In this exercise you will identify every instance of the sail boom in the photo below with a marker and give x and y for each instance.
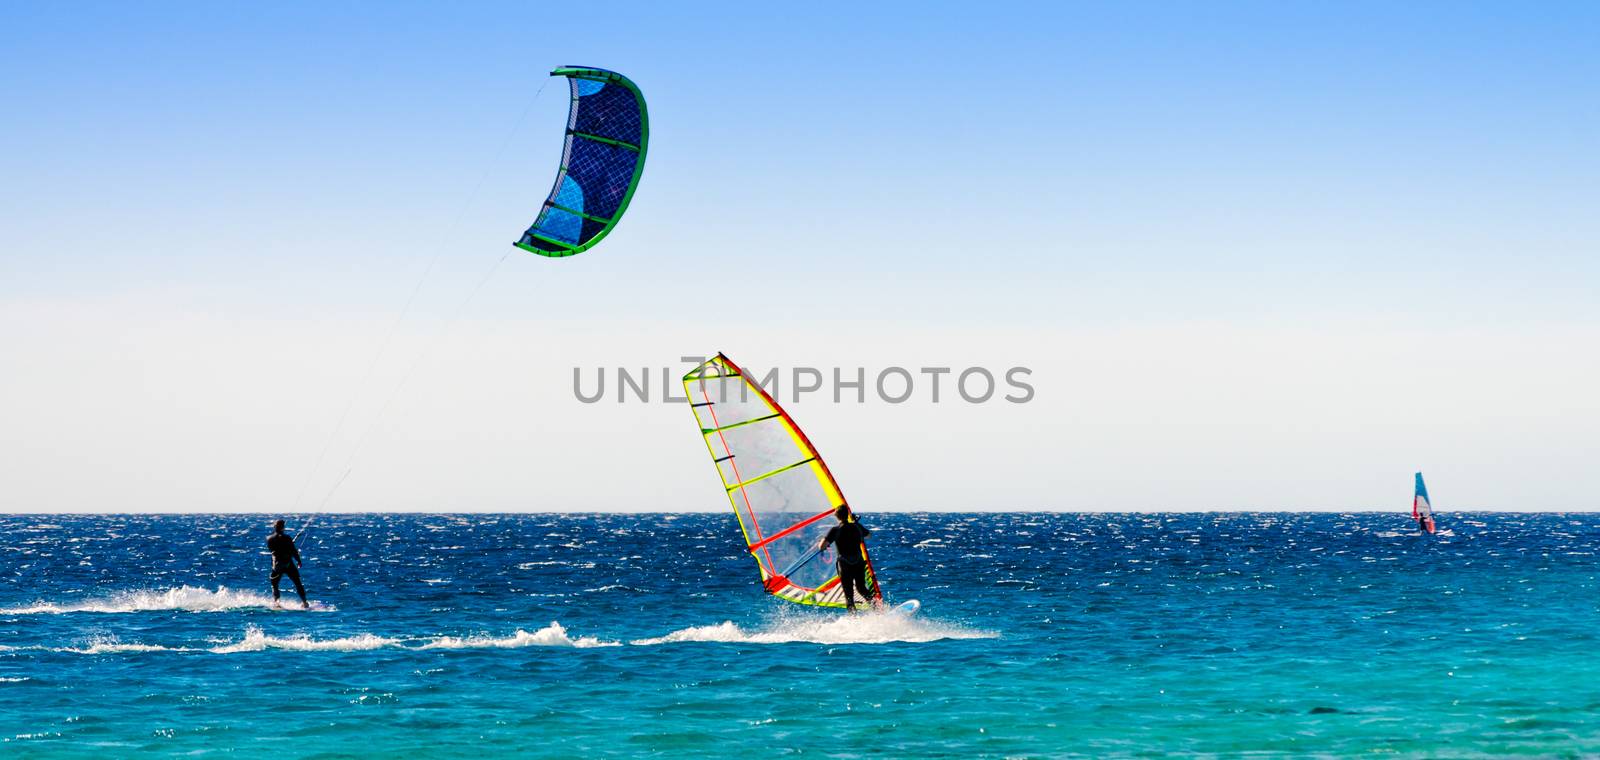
(786, 531)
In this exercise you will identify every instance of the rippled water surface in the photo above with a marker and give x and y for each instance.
(566, 636)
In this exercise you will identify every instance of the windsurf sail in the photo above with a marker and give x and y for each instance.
(608, 130)
(1421, 509)
(777, 483)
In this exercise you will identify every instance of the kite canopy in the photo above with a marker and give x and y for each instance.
(778, 485)
(608, 130)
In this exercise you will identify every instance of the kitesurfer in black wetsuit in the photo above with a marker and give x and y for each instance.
(847, 536)
(285, 561)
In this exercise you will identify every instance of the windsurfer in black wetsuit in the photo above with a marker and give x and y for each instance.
(847, 537)
(285, 561)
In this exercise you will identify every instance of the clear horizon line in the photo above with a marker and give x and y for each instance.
(1398, 512)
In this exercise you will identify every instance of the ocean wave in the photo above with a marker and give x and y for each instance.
(255, 640)
(184, 598)
(613, 587)
(853, 629)
(112, 645)
(553, 635)
(875, 628)
(117, 647)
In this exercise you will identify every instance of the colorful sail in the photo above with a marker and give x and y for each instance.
(777, 483)
(1421, 509)
(608, 130)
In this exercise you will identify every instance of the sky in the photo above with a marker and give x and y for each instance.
(1254, 255)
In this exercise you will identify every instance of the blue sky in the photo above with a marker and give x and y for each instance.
(215, 213)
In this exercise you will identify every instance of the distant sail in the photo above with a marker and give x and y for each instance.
(1421, 509)
(780, 489)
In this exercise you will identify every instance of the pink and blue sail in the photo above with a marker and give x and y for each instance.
(1421, 508)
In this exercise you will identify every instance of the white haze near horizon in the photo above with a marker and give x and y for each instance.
(135, 406)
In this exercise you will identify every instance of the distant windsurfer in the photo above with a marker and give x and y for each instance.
(847, 537)
(1422, 508)
(285, 561)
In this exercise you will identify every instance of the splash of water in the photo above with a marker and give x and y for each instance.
(182, 598)
(255, 640)
(553, 635)
(111, 645)
(873, 628)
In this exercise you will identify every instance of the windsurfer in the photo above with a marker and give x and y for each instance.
(847, 537)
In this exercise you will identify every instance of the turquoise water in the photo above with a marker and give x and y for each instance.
(606, 635)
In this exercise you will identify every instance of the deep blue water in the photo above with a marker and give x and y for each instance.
(581, 636)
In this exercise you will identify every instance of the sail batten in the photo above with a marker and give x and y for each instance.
(779, 487)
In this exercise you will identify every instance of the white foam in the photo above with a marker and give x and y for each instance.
(553, 635)
(184, 598)
(255, 640)
(865, 628)
(110, 645)
(724, 632)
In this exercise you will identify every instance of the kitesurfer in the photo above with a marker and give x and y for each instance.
(847, 537)
(285, 561)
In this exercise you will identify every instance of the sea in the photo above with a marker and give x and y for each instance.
(648, 635)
